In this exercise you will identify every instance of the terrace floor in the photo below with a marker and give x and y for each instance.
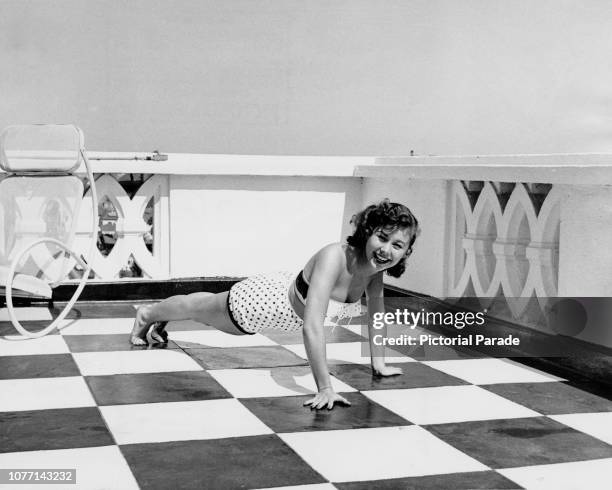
(211, 410)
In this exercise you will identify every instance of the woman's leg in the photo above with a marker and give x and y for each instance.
(207, 308)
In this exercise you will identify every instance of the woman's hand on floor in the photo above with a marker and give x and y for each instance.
(326, 398)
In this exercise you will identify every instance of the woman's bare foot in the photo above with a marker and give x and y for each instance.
(140, 329)
(158, 333)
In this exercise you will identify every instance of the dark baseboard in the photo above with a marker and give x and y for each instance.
(143, 290)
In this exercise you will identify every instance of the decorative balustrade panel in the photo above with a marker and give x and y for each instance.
(133, 238)
(504, 242)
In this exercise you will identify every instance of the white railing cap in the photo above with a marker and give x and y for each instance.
(575, 169)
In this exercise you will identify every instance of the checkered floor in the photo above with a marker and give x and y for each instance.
(211, 410)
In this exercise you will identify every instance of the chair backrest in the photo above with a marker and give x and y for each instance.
(52, 148)
(38, 199)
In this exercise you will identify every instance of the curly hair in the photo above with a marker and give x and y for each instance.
(385, 214)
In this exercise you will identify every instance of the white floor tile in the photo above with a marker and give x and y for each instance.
(580, 475)
(98, 326)
(97, 468)
(252, 383)
(491, 371)
(130, 362)
(350, 353)
(598, 425)
(44, 393)
(448, 404)
(215, 338)
(382, 453)
(181, 421)
(16, 345)
(27, 314)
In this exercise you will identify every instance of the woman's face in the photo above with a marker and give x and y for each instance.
(387, 246)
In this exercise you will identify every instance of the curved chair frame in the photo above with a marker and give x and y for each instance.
(86, 265)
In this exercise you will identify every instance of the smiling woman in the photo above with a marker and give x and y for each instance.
(331, 283)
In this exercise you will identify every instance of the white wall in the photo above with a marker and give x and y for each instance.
(239, 226)
(340, 77)
(585, 260)
(585, 235)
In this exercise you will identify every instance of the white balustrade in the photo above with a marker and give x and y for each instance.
(511, 250)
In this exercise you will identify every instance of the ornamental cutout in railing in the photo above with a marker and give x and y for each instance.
(505, 243)
(133, 232)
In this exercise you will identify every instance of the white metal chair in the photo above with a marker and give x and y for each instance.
(40, 199)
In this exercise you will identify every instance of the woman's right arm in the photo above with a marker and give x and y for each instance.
(325, 273)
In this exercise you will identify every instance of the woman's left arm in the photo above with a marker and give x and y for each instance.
(376, 308)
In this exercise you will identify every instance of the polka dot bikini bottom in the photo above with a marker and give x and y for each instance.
(262, 301)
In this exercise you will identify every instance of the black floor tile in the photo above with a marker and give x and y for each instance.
(245, 357)
(455, 481)
(109, 343)
(53, 429)
(416, 375)
(551, 398)
(39, 366)
(123, 389)
(287, 414)
(511, 443)
(97, 310)
(7, 328)
(333, 335)
(232, 463)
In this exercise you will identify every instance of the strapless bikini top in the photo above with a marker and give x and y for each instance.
(336, 309)
(302, 287)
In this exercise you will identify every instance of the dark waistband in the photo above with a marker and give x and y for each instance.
(301, 285)
(233, 318)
